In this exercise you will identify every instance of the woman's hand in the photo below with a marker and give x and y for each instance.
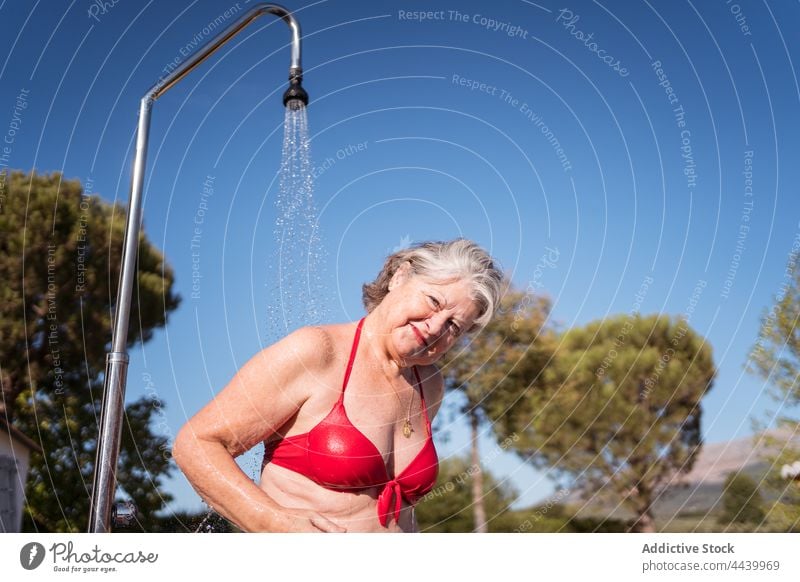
(263, 395)
(304, 520)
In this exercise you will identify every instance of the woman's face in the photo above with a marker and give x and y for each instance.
(425, 318)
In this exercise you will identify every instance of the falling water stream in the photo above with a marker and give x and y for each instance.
(296, 291)
(295, 278)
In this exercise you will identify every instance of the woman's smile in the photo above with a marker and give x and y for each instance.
(419, 336)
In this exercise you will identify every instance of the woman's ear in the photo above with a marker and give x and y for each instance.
(401, 275)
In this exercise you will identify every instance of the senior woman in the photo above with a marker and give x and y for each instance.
(345, 410)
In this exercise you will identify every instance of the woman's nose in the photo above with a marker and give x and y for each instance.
(436, 324)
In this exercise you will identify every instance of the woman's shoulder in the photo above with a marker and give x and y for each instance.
(433, 387)
(313, 345)
(324, 343)
(432, 378)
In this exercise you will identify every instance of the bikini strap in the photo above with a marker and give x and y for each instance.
(422, 396)
(353, 351)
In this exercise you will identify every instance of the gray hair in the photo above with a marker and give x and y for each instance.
(445, 262)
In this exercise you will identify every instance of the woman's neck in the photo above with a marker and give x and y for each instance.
(379, 342)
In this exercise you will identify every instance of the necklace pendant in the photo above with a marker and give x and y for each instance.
(407, 430)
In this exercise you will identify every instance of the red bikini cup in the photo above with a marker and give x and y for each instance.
(336, 455)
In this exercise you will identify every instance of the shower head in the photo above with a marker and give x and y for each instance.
(295, 96)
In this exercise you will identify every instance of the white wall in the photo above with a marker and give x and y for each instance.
(11, 447)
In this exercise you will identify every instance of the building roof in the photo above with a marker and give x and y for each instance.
(7, 427)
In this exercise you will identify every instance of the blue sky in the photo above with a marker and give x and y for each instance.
(615, 133)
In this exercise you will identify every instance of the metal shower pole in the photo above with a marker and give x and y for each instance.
(116, 372)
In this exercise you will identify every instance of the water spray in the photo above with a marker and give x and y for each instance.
(108, 444)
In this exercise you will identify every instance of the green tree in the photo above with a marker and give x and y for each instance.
(775, 357)
(495, 369)
(741, 501)
(447, 507)
(619, 411)
(59, 263)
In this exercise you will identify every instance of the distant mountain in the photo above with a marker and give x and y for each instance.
(700, 490)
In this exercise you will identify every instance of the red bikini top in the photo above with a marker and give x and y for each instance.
(336, 455)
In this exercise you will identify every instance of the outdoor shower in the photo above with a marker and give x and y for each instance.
(295, 97)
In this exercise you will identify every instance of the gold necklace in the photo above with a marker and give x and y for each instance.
(407, 430)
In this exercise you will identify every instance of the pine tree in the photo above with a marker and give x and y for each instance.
(491, 370)
(775, 357)
(619, 411)
(59, 264)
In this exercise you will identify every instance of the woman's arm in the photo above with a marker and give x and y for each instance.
(262, 396)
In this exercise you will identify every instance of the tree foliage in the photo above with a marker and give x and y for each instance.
(494, 370)
(448, 506)
(619, 409)
(775, 357)
(741, 501)
(59, 263)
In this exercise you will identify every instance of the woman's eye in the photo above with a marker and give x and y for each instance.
(434, 300)
(455, 327)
